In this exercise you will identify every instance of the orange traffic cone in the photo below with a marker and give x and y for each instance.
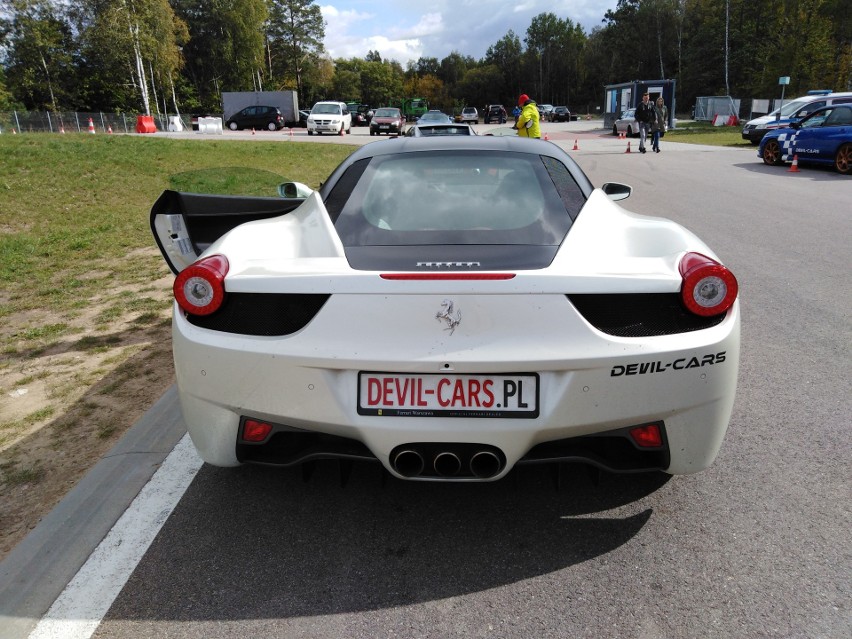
(91, 126)
(14, 132)
(109, 129)
(252, 130)
(62, 130)
(576, 148)
(546, 138)
(794, 168)
(628, 147)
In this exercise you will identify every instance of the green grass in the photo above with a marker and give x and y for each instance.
(74, 212)
(706, 133)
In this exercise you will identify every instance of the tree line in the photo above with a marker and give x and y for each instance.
(155, 56)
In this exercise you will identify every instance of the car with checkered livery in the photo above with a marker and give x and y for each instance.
(824, 137)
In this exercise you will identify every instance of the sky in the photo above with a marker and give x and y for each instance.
(402, 30)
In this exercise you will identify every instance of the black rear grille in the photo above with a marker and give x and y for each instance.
(263, 314)
(640, 314)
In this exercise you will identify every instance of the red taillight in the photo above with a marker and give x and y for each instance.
(200, 288)
(255, 431)
(708, 287)
(647, 436)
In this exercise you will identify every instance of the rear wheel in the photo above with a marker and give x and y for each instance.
(614, 130)
(629, 131)
(843, 159)
(233, 126)
(272, 126)
(772, 153)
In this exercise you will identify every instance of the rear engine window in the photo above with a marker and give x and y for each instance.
(460, 198)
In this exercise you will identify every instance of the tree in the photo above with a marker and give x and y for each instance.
(130, 43)
(227, 45)
(505, 54)
(40, 66)
(296, 31)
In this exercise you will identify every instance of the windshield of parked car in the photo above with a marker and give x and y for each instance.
(791, 108)
(331, 109)
(476, 197)
(386, 113)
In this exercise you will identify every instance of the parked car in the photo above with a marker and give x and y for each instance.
(560, 114)
(387, 120)
(329, 117)
(449, 311)
(823, 137)
(256, 117)
(626, 124)
(362, 115)
(301, 122)
(438, 128)
(793, 111)
(496, 113)
(469, 115)
(433, 115)
(545, 110)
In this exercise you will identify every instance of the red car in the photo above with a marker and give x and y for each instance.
(387, 120)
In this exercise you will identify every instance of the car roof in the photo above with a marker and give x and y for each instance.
(484, 143)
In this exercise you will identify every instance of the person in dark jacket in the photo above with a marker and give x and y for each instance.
(645, 116)
(658, 128)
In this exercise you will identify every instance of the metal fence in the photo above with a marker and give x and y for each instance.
(79, 122)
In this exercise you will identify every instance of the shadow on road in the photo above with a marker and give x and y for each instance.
(259, 543)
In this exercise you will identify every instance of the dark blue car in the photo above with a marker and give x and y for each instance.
(824, 137)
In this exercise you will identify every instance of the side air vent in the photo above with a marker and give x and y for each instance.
(262, 314)
(640, 314)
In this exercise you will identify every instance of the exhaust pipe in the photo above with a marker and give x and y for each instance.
(409, 463)
(447, 464)
(485, 464)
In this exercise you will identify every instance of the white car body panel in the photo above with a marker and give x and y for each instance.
(589, 381)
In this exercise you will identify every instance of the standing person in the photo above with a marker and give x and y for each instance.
(645, 116)
(660, 123)
(527, 123)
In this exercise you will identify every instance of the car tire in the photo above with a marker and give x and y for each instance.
(233, 126)
(310, 132)
(772, 153)
(843, 159)
(614, 130)
(629, 131)
(272, 126)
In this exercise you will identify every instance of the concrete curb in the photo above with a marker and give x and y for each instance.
(37, 570)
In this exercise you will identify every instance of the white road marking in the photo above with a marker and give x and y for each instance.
(78, 611)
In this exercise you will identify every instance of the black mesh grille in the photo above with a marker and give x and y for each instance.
(640, 314)
(266, 314)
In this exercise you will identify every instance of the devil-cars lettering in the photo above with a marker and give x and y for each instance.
(682, 363)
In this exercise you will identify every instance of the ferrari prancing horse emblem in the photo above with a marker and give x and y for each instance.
(446, 315)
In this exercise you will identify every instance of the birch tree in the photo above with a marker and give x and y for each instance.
(132, 43)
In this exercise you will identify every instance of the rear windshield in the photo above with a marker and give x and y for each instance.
(459, 198)
(386, 113)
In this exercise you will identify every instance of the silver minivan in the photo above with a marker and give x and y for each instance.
(792, 111)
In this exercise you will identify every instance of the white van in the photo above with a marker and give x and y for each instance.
(329, 117)
(792, 111)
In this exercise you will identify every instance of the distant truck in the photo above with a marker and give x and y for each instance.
(413, 108)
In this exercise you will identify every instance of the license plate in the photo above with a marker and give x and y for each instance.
(394, 394)
(384, 126)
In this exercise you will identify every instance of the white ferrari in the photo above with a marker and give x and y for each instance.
(449, 308)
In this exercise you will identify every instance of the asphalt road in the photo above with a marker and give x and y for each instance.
(756, 546)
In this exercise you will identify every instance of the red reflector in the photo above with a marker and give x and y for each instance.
(647, 436)
(447, 276)
(255, 431)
